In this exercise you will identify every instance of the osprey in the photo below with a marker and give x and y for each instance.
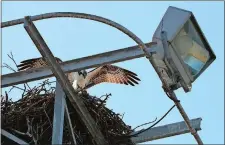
(84, 80)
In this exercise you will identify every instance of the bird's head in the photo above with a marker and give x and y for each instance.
(83, 73)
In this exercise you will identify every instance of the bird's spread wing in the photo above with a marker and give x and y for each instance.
(34, 63)
(111, 74)
(37, 63)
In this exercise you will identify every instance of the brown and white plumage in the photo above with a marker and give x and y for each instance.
(111, 74)
(37, 63)
(34, 63)
(106, 73)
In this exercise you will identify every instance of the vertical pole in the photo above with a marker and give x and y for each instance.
(58, 120)
(173, 97)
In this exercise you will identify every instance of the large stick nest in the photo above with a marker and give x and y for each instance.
(31, 118)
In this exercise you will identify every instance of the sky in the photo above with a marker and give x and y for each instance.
(74, 38)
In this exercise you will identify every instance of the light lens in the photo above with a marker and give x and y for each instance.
(194, 64)
(191, 49)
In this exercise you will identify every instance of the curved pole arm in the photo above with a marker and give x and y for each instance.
(82, 16)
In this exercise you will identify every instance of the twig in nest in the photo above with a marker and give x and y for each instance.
(5, 102)
(103, 101)
(12, 58)
(30, 131)
(19, 132)
(27, 86)
(17, 88)
(29, 127)
(106, 95)
(25, 90)
(9, 67)
(122, 115)
(33, 134)
(11, 89)
(37, 133)
(6, 97)
(44, 106)
(34, 104)
(44, 130)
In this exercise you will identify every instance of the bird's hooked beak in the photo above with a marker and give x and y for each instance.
(82, 72)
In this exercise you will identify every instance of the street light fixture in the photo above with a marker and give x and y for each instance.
(186, 51)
